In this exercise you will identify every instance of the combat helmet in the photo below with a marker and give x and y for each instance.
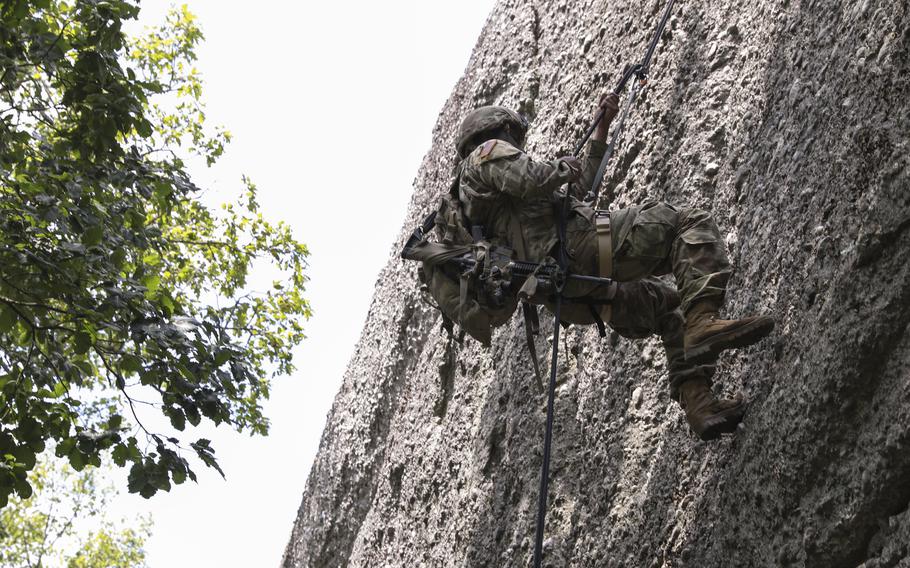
(489, 118)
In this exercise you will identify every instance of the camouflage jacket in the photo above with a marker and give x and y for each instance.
(513, 197)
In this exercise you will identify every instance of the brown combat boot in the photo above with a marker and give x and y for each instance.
(707, 335)
(707, 416)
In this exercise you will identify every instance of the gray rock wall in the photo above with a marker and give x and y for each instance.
(790, 121)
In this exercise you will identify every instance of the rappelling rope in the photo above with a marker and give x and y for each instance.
(641, 71)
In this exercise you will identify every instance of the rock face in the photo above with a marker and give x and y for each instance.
(790, 121)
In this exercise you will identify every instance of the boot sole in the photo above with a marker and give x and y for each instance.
(722, 423)
(709, 349)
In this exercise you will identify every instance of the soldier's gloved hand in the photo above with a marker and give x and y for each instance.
(609, 103)
(574, 166)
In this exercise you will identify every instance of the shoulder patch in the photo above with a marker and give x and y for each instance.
(486, 148)
(492, 150)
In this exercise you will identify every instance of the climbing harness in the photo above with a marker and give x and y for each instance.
(641, 71)
(477, 283)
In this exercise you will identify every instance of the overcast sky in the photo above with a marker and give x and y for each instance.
(331, 105)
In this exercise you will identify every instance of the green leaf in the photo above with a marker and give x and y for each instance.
(29, 430)
(151, 259)
(114, 422)
(8, 318)
(59, 389)
(185, 371)
(151, 282)
(65, 446)
(130, 363)
(77, 460)
(222, 357)
(192, 414)
(25, 456)
(167, 303)
(118, 256)
(23, 489)
(120, 455)
(82, 342)
(143, 127)
(92, 236)
(136, 478)
(178, 420)
(84, 366)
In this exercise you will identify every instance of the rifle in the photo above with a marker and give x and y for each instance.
(499, 274)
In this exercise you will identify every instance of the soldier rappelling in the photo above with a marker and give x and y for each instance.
(513, 229)
(512, 197)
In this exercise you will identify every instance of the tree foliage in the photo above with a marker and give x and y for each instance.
(50, 528)
(119, 287)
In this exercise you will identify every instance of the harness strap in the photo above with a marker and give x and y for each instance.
(601, 327)
(516, 236)
(604, 243)
(448, 325)
(532, 328)
(463, 282)
(419, 235)
(604, 264)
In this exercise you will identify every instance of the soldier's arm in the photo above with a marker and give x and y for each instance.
(597, 147)
(521, 177)
(596, 151)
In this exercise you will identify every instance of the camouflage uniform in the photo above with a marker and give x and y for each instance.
(514, 199)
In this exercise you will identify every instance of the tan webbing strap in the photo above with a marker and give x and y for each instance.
(604, 243)
(604, 254)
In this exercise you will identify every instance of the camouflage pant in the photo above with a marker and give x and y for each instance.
(650, 240)
(640, 309)
(651, 307)
(656, 238)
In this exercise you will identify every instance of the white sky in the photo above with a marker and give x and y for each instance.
(331, 105)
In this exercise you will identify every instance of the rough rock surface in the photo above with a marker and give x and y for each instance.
(790, 120)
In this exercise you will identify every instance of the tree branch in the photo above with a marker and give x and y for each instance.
(122, 381)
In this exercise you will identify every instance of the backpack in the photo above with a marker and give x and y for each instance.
(465, 274)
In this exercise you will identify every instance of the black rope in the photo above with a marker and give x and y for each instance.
(548, 439)
(600, 114)
(594, 194)
(639, 70)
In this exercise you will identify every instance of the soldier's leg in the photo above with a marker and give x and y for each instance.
(647, 307)
(650, 306)
(657, 238)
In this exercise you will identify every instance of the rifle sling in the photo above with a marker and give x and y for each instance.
(532, 328)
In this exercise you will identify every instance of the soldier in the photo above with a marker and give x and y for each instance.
(515, 199)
